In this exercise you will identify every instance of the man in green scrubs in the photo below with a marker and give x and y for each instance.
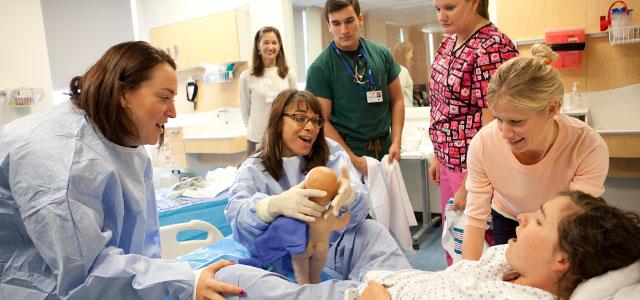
(358, 86)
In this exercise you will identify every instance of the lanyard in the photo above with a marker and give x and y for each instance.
(372, 82)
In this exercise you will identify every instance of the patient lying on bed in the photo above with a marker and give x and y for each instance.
(570, 239)
(308, 265)
(574, 240)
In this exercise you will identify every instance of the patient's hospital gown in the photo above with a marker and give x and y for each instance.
(77, 215)
(466, 279)
(362, 246)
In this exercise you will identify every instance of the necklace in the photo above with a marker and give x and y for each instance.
(546, 149)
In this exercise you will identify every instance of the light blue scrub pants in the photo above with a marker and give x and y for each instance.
(359, 250)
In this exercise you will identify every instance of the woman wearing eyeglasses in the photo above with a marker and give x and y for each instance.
(267, 186)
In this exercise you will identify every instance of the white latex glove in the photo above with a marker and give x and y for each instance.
(346, 194)
(292, 203)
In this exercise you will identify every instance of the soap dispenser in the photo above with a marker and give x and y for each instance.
(576, 101)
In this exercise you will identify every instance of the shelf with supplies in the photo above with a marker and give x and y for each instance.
(21, 97)
(624, 35)
(618, 23)
(212, 73)
(541, 40)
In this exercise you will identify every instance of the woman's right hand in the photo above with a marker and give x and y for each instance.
(293, 203)
(360, 163)
(209, 288)
(434, 171)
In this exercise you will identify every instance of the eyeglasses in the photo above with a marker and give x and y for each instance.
(303, 119)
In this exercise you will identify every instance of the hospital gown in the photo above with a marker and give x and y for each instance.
(466, 279)
(361, 247)
(77, 215)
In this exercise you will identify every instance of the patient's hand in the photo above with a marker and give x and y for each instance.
(374, 291)
(209, 288)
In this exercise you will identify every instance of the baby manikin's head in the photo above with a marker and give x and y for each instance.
(324, 179)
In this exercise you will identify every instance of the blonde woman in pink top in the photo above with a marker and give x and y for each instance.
(529, 153)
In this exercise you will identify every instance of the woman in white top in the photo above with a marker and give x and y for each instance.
(403, 53)
(261, 83)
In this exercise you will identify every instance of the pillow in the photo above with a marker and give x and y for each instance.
(605, 286)
(628, 293)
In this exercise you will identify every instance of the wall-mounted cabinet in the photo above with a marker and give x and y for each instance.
(528, 19)
(207, 40)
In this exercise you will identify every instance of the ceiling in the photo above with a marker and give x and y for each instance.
(398, 12)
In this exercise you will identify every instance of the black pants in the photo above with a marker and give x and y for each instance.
(503, 228)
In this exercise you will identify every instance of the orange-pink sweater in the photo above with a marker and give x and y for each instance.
(577, 160)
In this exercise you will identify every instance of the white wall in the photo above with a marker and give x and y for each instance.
(615, 109)
(79, 32)
(298, 30)
(315, 23)
(493, 12)
(24, 60)
(245, 36)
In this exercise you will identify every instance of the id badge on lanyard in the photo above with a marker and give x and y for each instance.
(374, 96)
(270, 93)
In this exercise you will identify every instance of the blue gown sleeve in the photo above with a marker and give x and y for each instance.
(74, 212)
(249, 186)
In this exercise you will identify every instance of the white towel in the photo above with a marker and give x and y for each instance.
(217, 181)
(390, 204)
(378, 185)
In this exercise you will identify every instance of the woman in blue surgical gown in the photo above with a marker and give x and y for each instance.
(78, 214)
(267, 185)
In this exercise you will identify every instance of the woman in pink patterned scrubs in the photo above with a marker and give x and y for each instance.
(471, 51)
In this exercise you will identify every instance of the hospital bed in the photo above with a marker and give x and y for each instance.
(621, 284)
(187, 224)
(196, 231)
(211, 252)
(208, 239)
(172, 247)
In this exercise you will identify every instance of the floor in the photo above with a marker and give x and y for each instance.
(430, 255)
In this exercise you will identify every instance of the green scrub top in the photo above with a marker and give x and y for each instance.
(356, 120)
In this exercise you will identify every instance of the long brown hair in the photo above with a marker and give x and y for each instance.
(98, 92)
(257, 63)
(272, 140)
(596, 238)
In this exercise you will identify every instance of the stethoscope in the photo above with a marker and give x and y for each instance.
(354, 74)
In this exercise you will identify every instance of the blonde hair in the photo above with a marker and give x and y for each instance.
(527, 82)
